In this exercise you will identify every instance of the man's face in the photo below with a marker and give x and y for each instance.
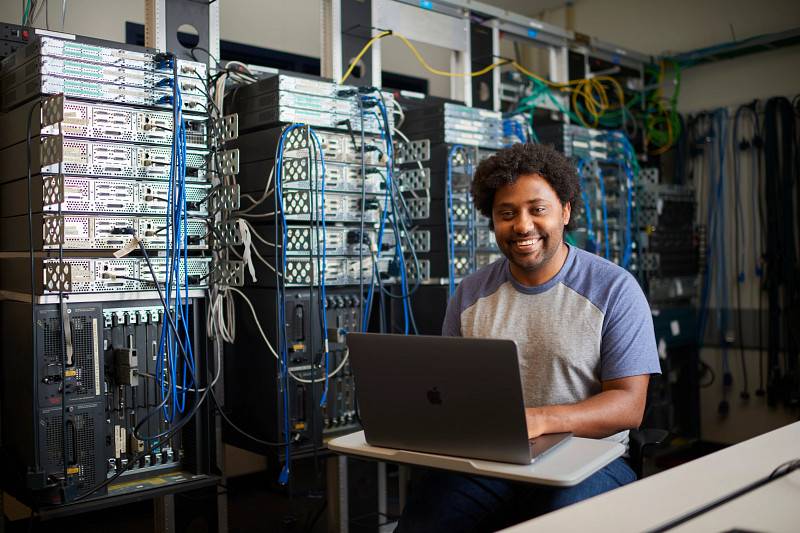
(529, 222)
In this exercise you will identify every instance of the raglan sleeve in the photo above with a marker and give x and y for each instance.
(628, 345)
(452, 317)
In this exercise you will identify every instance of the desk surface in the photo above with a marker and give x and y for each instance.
(658, 499)
(775, 507)
(567, 465)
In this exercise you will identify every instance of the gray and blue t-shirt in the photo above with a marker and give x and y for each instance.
(590, 323)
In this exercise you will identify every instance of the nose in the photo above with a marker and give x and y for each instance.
(523, 223)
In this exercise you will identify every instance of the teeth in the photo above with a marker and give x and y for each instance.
(526, 243)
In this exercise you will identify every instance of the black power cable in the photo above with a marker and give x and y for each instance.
(738, 146)
(781, 471)
(781, 170)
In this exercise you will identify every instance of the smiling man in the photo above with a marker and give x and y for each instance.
(582, 326)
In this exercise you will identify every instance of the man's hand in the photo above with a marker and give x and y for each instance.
(618, 407)
(535, 418)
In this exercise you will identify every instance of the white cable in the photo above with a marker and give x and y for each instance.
(267, 193)
(275, 354)
(405, 139)
(244, 231)
(258, 236)
(260, 215)
(217, 321)
(399, 111)
(213, 382)
(242, 66)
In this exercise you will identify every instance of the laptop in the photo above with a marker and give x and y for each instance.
(444, 395)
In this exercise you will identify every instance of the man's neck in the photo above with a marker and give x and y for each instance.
(545, 273)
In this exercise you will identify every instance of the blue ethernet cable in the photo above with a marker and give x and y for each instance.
(323, 295)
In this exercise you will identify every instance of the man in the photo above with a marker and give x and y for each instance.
(582, 326)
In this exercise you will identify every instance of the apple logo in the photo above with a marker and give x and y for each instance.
(434, 396)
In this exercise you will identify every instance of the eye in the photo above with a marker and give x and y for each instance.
(506, 215)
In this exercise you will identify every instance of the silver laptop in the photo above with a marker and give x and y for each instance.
(444, 395)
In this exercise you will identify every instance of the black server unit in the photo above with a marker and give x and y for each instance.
(256, 402)
(47, 421)
(87, 417)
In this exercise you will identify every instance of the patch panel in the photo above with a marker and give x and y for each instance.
(97, 275)
(105, 92)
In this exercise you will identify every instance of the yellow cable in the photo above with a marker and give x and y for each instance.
(592, 91)
(446, 73)
(361, 54)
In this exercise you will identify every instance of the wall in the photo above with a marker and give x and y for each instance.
(657, 27)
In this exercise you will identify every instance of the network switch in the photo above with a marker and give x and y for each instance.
(456, 124)
(303, 271)
(96, 195)
(95, 72)
(305, 240)
(54, 154)
(118, 57)
(290, 99)
(95, 274)
(339, 147)
(100, 122)
(93, 232)
(105, 92)
(339, 207)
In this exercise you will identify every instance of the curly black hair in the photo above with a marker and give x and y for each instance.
(504, 167)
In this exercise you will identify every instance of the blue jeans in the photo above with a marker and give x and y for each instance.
(448, 501)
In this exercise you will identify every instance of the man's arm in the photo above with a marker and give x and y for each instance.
(618, 407)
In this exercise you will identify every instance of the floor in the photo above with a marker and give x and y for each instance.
(256, 503)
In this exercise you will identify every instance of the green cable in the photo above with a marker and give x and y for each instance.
(25, 12)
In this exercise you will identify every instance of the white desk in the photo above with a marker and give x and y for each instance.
(658, 499)
(775, 507)
(568, 465)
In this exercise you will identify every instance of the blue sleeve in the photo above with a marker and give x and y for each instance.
(628, 347)
(452, 318)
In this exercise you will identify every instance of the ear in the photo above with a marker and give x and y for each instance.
(566, 213)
